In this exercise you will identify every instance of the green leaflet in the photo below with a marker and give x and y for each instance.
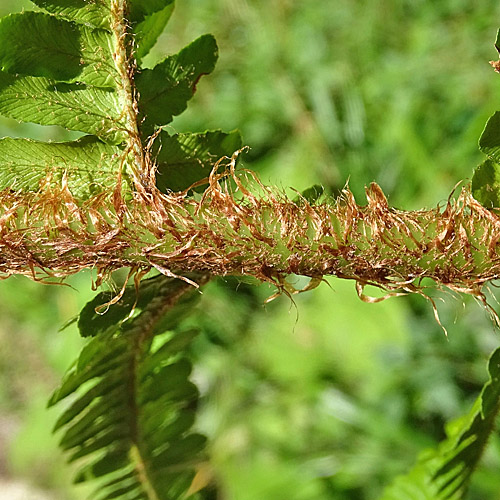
(489, 142)
(58, 69)
(149, 29)
(39, 55)
(184, 159)
(444, 473)
(486, 184)
(99, 316)
(73, 106)
(37, 44)
(148, 18)
(141, 9)
(130, 419)
(89, 165)
(311, 195)
(96, 13)
(166, 89)
(56, 72)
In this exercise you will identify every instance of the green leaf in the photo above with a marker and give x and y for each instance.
(110, 425)
(486, 184)
(57, 72)
(92, 322)
(37, 44)
(444, 473)
(73, 106)
(104, 360)
(489, 142)
(148, 30)
(184, 159)
(112, 435)
(113, 488)
(92, 422)
(105, 387)
(141, 9)
(110, 462)
(89, 165)
(184, 421)
(177, 343)
(96, 13)
(173, 486)
(311, 194)
(166, 89)
(497, 41)
(124, 491)
(181, 450)
(167, 381)
(148, 18)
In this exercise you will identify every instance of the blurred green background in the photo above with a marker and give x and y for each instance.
(327, 398)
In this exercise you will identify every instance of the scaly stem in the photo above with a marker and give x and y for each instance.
(266, 236)
(123, 60)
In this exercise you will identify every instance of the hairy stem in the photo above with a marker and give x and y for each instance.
(266, 236)
(125, 87)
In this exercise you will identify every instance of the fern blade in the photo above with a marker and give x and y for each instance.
(96, 13)
(166, 89)
(88, 166)
(150, 27)
(38, 44)
(184, 159)
(444, 473)
(139, 442)
(73, 106)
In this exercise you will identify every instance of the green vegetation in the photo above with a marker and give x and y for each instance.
(330, 400)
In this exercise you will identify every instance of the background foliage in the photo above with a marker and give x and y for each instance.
(330, 399)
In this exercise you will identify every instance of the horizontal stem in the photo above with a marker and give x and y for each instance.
(266, 236)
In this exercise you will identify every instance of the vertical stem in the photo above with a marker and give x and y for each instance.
(126, 68)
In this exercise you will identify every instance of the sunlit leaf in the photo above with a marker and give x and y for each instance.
(88, 165)
(73, 106)
(489, 142)
(486, 184)
(37, 44)
(151, 26)
(96, 13)
(166, 89)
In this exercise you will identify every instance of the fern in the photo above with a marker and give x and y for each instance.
(134, 404)
(444, 473)
(126, 183)
(124, 195)
(87, 87)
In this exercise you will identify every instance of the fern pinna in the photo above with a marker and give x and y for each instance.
(135, 404)
(132, 404)
(130, 193)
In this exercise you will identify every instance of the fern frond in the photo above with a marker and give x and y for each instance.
(444, 473)
(133, 405)
(75, 65)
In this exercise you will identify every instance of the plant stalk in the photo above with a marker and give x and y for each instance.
(264, 235)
